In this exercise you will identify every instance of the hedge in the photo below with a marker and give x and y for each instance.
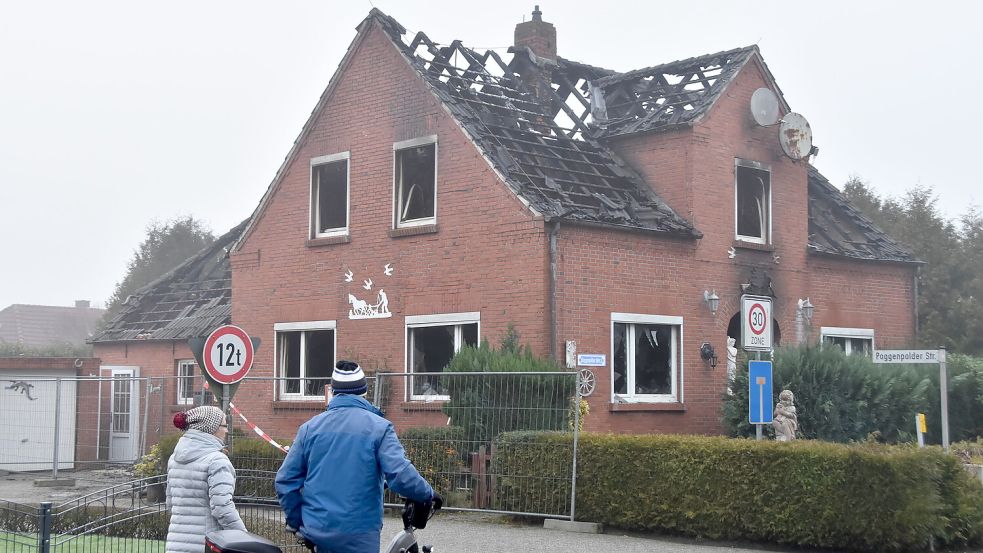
(863, 497)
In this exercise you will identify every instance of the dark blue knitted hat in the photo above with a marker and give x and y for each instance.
(348, 378)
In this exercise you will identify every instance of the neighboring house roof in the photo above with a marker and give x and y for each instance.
(838, 228)
(189, 301)
(39, 326)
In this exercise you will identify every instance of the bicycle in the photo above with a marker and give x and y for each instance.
(415, 516)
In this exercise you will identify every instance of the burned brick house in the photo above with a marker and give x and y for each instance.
(439, 194)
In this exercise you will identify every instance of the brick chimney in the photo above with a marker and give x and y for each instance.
(538, 35)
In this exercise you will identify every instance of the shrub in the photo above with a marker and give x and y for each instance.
(256, 463)
(862, 497)
(488, 405)
(439, 454)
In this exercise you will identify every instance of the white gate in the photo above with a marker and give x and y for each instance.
(124, 404)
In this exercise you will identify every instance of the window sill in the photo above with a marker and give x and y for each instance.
(743, 244)
(305, 405)
(413, 231)
(328, 240)
(422, 405)
(635, 407)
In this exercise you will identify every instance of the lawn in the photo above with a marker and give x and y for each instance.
(25, 543)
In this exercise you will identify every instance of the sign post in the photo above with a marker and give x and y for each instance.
(896, 356)
(760, 390)
(920, 428)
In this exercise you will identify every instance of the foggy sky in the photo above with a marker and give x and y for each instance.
(114, 114)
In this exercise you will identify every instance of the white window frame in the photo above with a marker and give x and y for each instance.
(677, 377)
(183, 364)
(748, 164)
(443, 319)
(302, 327)
(844, 332)
(397, 192)
(315, 205)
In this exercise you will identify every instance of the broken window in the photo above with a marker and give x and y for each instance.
(853, 341)
(186, 373)
(430, 348)
(329, 195)
(753, 203)
(305, 360)
(646, 359)
(416, 183)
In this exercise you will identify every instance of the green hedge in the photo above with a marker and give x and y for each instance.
(865, 497)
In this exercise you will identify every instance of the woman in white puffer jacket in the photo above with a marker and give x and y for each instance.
(200, 481)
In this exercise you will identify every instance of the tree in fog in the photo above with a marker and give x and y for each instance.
(950, 282)
(165, 246)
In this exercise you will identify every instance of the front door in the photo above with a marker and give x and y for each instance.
(124, 436)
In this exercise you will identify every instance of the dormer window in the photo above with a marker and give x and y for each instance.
(329, 195)
(415, 182)
(753, 202)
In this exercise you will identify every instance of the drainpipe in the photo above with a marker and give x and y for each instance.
(554, 229)
(914, 300)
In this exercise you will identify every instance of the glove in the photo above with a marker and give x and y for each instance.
(438, 501)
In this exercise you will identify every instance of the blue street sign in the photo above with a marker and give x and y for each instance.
(760, 406)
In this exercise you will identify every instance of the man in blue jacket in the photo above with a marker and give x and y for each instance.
(331, 483)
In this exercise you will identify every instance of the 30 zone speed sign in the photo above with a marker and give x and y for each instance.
(228, 354)
(756, 323)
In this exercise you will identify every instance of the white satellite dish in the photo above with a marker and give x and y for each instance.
(764, 107)
(795, 136)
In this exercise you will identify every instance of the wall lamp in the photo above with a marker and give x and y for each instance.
(712, 300)
(707, 354)
(806, 307)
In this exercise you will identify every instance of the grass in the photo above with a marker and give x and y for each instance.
(27, 543)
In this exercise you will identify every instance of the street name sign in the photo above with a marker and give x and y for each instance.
(907, 356)
(591, 360)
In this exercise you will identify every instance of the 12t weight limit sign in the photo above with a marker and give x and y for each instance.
(228, 354)
(756, 327)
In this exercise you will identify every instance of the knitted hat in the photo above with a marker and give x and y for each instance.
(348, 378)
(205, 418)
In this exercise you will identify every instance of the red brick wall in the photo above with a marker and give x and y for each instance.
(487, 256)
(693, 170)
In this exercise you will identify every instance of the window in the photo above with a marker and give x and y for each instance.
(431, 342)
(187, 371)
(305, 358)
(850, 340)
(646, 358)
(416, 181)
(753, 206)
(329, 195)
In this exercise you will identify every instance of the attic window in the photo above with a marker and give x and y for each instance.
(329, 195)
(753, 202)
(415, 182)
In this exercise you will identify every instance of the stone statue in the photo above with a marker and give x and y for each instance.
(785, 421)
(731, 363)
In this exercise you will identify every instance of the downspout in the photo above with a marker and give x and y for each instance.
(914, 300)
(554, 229)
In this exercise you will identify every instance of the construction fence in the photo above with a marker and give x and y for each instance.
(472, 435)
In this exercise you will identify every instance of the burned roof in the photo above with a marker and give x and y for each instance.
(838, 228)
(515, 110)
(665, 96)
(187, 302)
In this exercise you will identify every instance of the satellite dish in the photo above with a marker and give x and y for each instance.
(764, 107)
(795, 135)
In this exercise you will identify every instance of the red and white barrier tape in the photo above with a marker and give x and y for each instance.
(259, 431)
